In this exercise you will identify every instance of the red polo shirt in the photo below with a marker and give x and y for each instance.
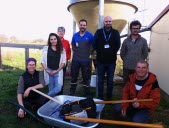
(66, 46)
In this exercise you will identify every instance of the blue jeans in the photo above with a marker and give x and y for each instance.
(54, 86)
(137, 115)
(101, 70)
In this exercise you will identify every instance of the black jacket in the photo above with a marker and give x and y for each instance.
(106, 55)
(29, 81)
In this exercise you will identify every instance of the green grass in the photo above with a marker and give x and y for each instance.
(16, 60)
(8, 112)
(13, 67)
(8, 80)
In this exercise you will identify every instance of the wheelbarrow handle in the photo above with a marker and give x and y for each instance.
(51, 98)
(113, 122)
(122, 101)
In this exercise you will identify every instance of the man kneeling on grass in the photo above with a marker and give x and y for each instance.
(30, 79)
(141, 85)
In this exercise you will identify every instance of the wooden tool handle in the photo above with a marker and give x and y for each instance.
(122, 101)
(97, 102)
(51, 98)
(114, 122)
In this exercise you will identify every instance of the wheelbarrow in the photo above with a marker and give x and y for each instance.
(47, 112)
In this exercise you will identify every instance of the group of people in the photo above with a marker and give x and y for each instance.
(139, 82)
(53, 60)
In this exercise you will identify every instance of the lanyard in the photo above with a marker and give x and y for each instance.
(107, 39)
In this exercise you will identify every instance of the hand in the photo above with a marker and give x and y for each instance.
(136, 104)
(47, 71)
(26, 93)
(123, 113)
(53, 72)
(21, 113)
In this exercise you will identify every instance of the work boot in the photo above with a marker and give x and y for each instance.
(72, 89)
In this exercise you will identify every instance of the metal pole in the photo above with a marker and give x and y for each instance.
(100, 23)
(128, 29)
(101, 13)
(74, 27)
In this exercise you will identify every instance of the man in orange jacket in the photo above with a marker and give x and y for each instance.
(141, 85)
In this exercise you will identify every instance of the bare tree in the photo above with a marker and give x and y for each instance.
(13, 39)
(3, 38)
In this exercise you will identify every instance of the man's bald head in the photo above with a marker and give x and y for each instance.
(107, 18)
(107, 22)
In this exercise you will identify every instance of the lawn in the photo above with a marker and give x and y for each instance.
(15, 59)
(9, 76)
(13, 66)
(8, 112)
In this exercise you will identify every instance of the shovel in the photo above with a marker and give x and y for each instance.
(113, 122)
(98, 102)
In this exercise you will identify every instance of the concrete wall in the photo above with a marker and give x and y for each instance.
(159, 54)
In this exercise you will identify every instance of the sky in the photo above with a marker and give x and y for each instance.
(35, 19)
(31, 19)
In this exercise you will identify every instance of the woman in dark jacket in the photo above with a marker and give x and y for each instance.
(30, 79)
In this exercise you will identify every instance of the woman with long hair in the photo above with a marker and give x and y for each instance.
(53, 60)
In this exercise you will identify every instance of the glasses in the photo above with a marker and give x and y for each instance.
(31, 64)
(135, 28)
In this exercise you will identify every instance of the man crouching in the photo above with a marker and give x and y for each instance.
(141, 85)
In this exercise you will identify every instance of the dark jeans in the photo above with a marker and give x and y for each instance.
(137, 115)
(101, 70)
(126, 73)
(86, 73)
(36, 103)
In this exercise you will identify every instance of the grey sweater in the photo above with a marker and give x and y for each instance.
(131, 52)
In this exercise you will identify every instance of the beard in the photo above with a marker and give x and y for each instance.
(82, 29)
(107, 27)
(134, 34)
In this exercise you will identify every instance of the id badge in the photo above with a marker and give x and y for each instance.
(106, 46)
(77, 44)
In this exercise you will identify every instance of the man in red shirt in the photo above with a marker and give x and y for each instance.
(66, 46)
